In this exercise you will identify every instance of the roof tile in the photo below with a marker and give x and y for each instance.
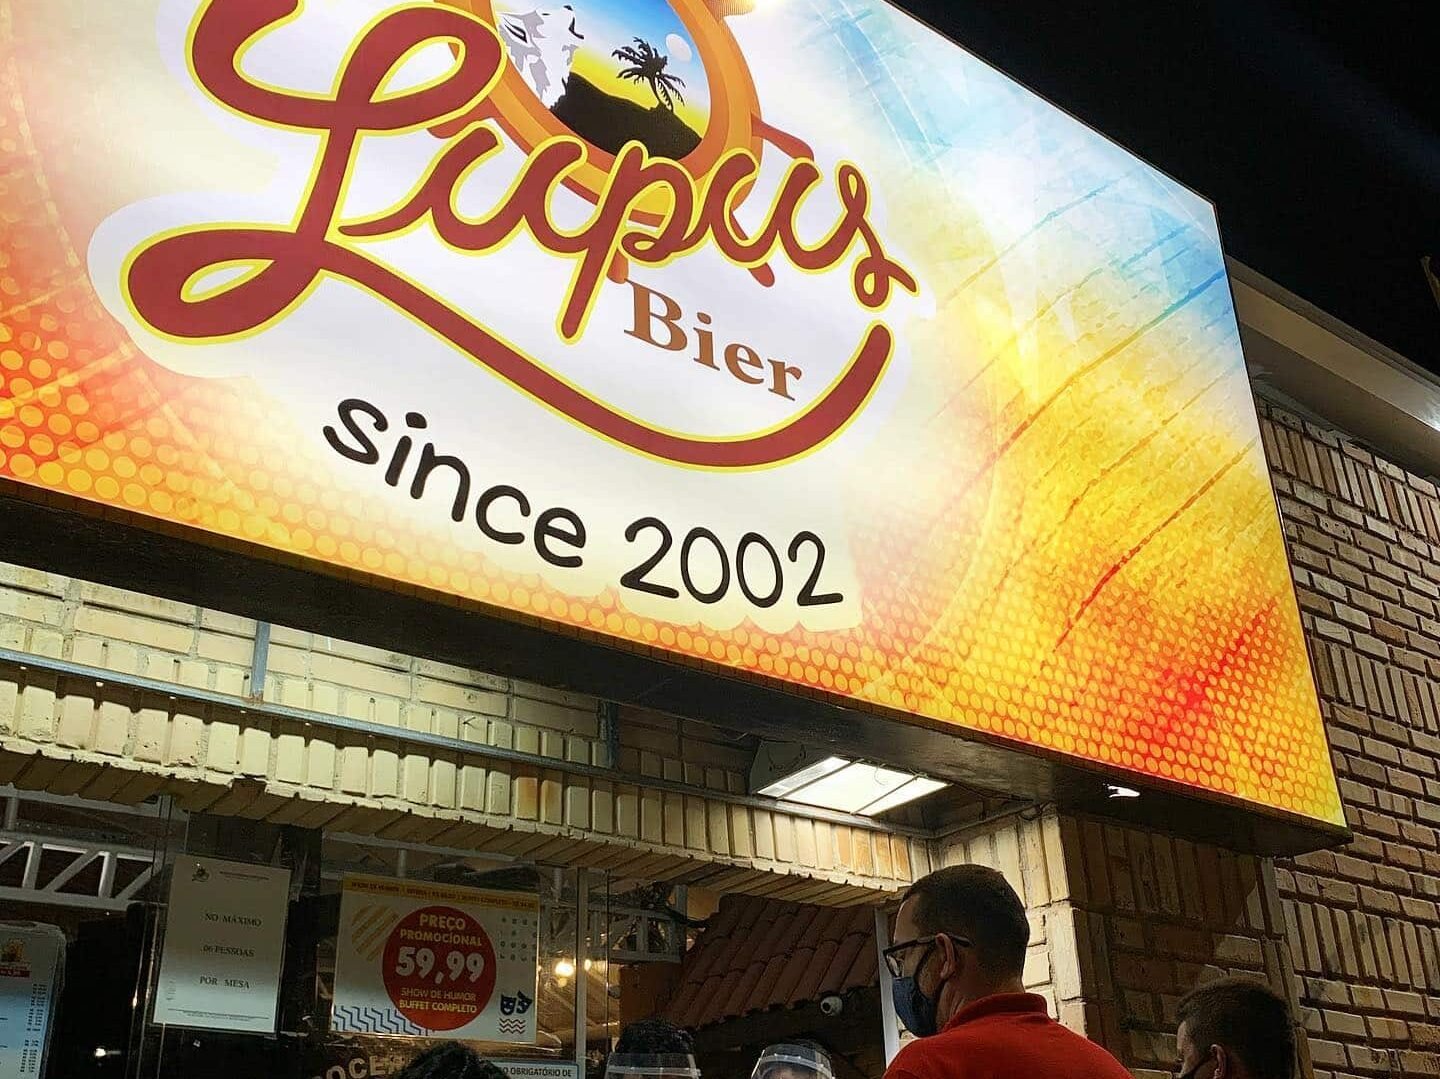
(866, 968)
(742, 1000)
(765, 990)
(845, 952)
(793, 975)
(762, 953)
(808, 987)
(799, 929)
(706, 1010)
(682, 1000)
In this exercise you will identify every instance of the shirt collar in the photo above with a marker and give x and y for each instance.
(1000, 1004)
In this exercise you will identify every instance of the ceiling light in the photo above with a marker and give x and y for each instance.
(788, 784)
(1121, 792)
(916, 789)
(796, 773)
(852, 788)
(564, 969)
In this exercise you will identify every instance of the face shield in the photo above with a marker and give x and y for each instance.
(793, 1062)
(651, 1066)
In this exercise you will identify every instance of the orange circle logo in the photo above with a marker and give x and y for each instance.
(667, 75)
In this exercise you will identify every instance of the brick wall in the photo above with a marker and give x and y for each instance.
(1154, 916)
(109, 741)
(1125, 921)
(1362, 923)
(1027, 848)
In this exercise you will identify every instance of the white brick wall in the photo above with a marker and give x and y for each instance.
(114, 742)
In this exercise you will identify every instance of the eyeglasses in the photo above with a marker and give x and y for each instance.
(894, 954)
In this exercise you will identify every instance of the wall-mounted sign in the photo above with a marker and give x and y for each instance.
(32, 964)
(224, 944)
(783, 337)
(421, 959)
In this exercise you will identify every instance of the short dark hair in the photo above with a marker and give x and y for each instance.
(978, 903)
(1247, 1018)
(450, 1061)
(655, 1036)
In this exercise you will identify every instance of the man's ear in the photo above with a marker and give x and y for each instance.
(1224, 1063)
(950, 957)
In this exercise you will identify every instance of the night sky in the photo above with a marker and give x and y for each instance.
(1313, 125)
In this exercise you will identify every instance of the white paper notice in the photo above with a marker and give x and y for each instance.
(30, 962)
(224, 943)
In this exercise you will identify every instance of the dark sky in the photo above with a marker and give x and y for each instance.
(1313, 125)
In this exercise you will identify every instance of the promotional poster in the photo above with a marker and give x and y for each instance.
(782, 336)
(425, 960)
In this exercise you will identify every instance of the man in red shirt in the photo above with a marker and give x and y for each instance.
(959, 953)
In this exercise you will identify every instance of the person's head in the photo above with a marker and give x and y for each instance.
(960, 935)
(1235, 1028)
(450, 1061)
(802, 1058)
(654, 1037)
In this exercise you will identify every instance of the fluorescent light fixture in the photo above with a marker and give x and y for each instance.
(917, 788)
(794, 774)
(786, 785)
(852, 788)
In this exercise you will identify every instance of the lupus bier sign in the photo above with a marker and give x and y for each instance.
(784, 337)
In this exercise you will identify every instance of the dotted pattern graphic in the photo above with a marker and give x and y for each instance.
(1088, 559)
(515, 942)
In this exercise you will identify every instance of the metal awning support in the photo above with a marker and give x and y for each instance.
(889, 1022)
(582, 962)
(259, 661)
(50, 862)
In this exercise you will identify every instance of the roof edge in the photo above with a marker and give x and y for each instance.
(1367, 390)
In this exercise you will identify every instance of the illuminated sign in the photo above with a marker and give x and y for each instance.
(786, 337)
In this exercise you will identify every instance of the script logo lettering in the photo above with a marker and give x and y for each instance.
(283, 263)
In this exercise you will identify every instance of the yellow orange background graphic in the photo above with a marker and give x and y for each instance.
(1052, 522)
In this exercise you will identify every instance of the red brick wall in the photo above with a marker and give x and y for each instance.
(1153, 917)
(1362, 923)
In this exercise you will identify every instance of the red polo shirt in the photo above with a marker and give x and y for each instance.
(1008, 1036)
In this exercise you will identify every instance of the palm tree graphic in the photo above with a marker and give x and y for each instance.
(647, 65)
